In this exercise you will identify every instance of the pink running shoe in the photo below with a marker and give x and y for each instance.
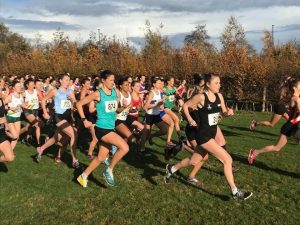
(251, 156)
(253, 125)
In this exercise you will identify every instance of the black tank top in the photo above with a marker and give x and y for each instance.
(293, 112)
(2, 109)
(209, 114)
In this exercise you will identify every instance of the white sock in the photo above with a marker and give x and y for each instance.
(234, 190)
(173, 169)
(110, 171)
(84, 176)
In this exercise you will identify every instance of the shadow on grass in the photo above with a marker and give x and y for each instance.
(263, 166)
(182, 178)
(143, 161)
(230, 133)
(248, 130)
(3, 168)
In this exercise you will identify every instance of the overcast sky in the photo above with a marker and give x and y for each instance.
(126, 19)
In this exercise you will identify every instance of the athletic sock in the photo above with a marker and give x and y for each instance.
(173, 169)
(84, 176)
(110, 171)
(234, 190)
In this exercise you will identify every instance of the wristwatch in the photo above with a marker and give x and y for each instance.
(83, 119)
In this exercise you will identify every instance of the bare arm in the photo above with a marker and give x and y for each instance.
(192, 103)
(225, 111)
(95, 96)
(149, 105)
(50, 95)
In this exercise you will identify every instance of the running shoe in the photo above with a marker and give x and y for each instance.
(170, 144)
(109, 178)
(169, 173)
(90, 157)
(251, 156)
(193, 181)
(179, 147)
(57, 159)
(38, 156)
(242, 195)
(106, 161)
(82, 181)
(253, 125)
(235, 169)
(75, 164)
(114, 149)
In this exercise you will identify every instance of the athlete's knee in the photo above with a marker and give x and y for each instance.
(227, 160)
(194, 161)
(124, 148)
(10, 158)
(277, 149)
(171, 123)
(205, 158)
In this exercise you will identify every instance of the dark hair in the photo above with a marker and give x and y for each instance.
(96, 84)
(208, 77)
(169, 78)
(105, 74)
(15, 81)
(154, 79)
(134, 82)
(197, 78)
(84, 80)
(121, 81)
(63, 75)
(292, 82)
(26, 83)
(38, 80)
(51, 80)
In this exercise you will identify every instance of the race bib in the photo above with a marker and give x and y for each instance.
(171, 98)
(65, 104)
(213, 118)
(34, 101)
(110, 106)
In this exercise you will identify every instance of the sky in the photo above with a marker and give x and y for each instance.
(126, 19)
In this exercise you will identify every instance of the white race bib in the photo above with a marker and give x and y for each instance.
(171, 98)
(34, 101)
(65, 104)
(213, 118)
(110, 106)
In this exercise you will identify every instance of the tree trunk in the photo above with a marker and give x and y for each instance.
(264, 100)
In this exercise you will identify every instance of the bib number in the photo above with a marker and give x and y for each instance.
(65, 104)
(110, 106)
(171, 98)
(34, 101)
(213, 119)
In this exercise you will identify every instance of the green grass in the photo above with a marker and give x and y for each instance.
(46, 193)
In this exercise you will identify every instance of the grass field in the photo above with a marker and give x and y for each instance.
(47, 193)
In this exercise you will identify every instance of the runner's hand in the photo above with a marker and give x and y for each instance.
(87, 124)
(193, 123)
(46, 116)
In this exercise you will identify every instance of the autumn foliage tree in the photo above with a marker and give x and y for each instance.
(246, 75)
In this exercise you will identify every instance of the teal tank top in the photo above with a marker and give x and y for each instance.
(106, 109)
(170, 97)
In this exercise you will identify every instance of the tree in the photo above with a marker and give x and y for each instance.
(234, 36)
(156, 51)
